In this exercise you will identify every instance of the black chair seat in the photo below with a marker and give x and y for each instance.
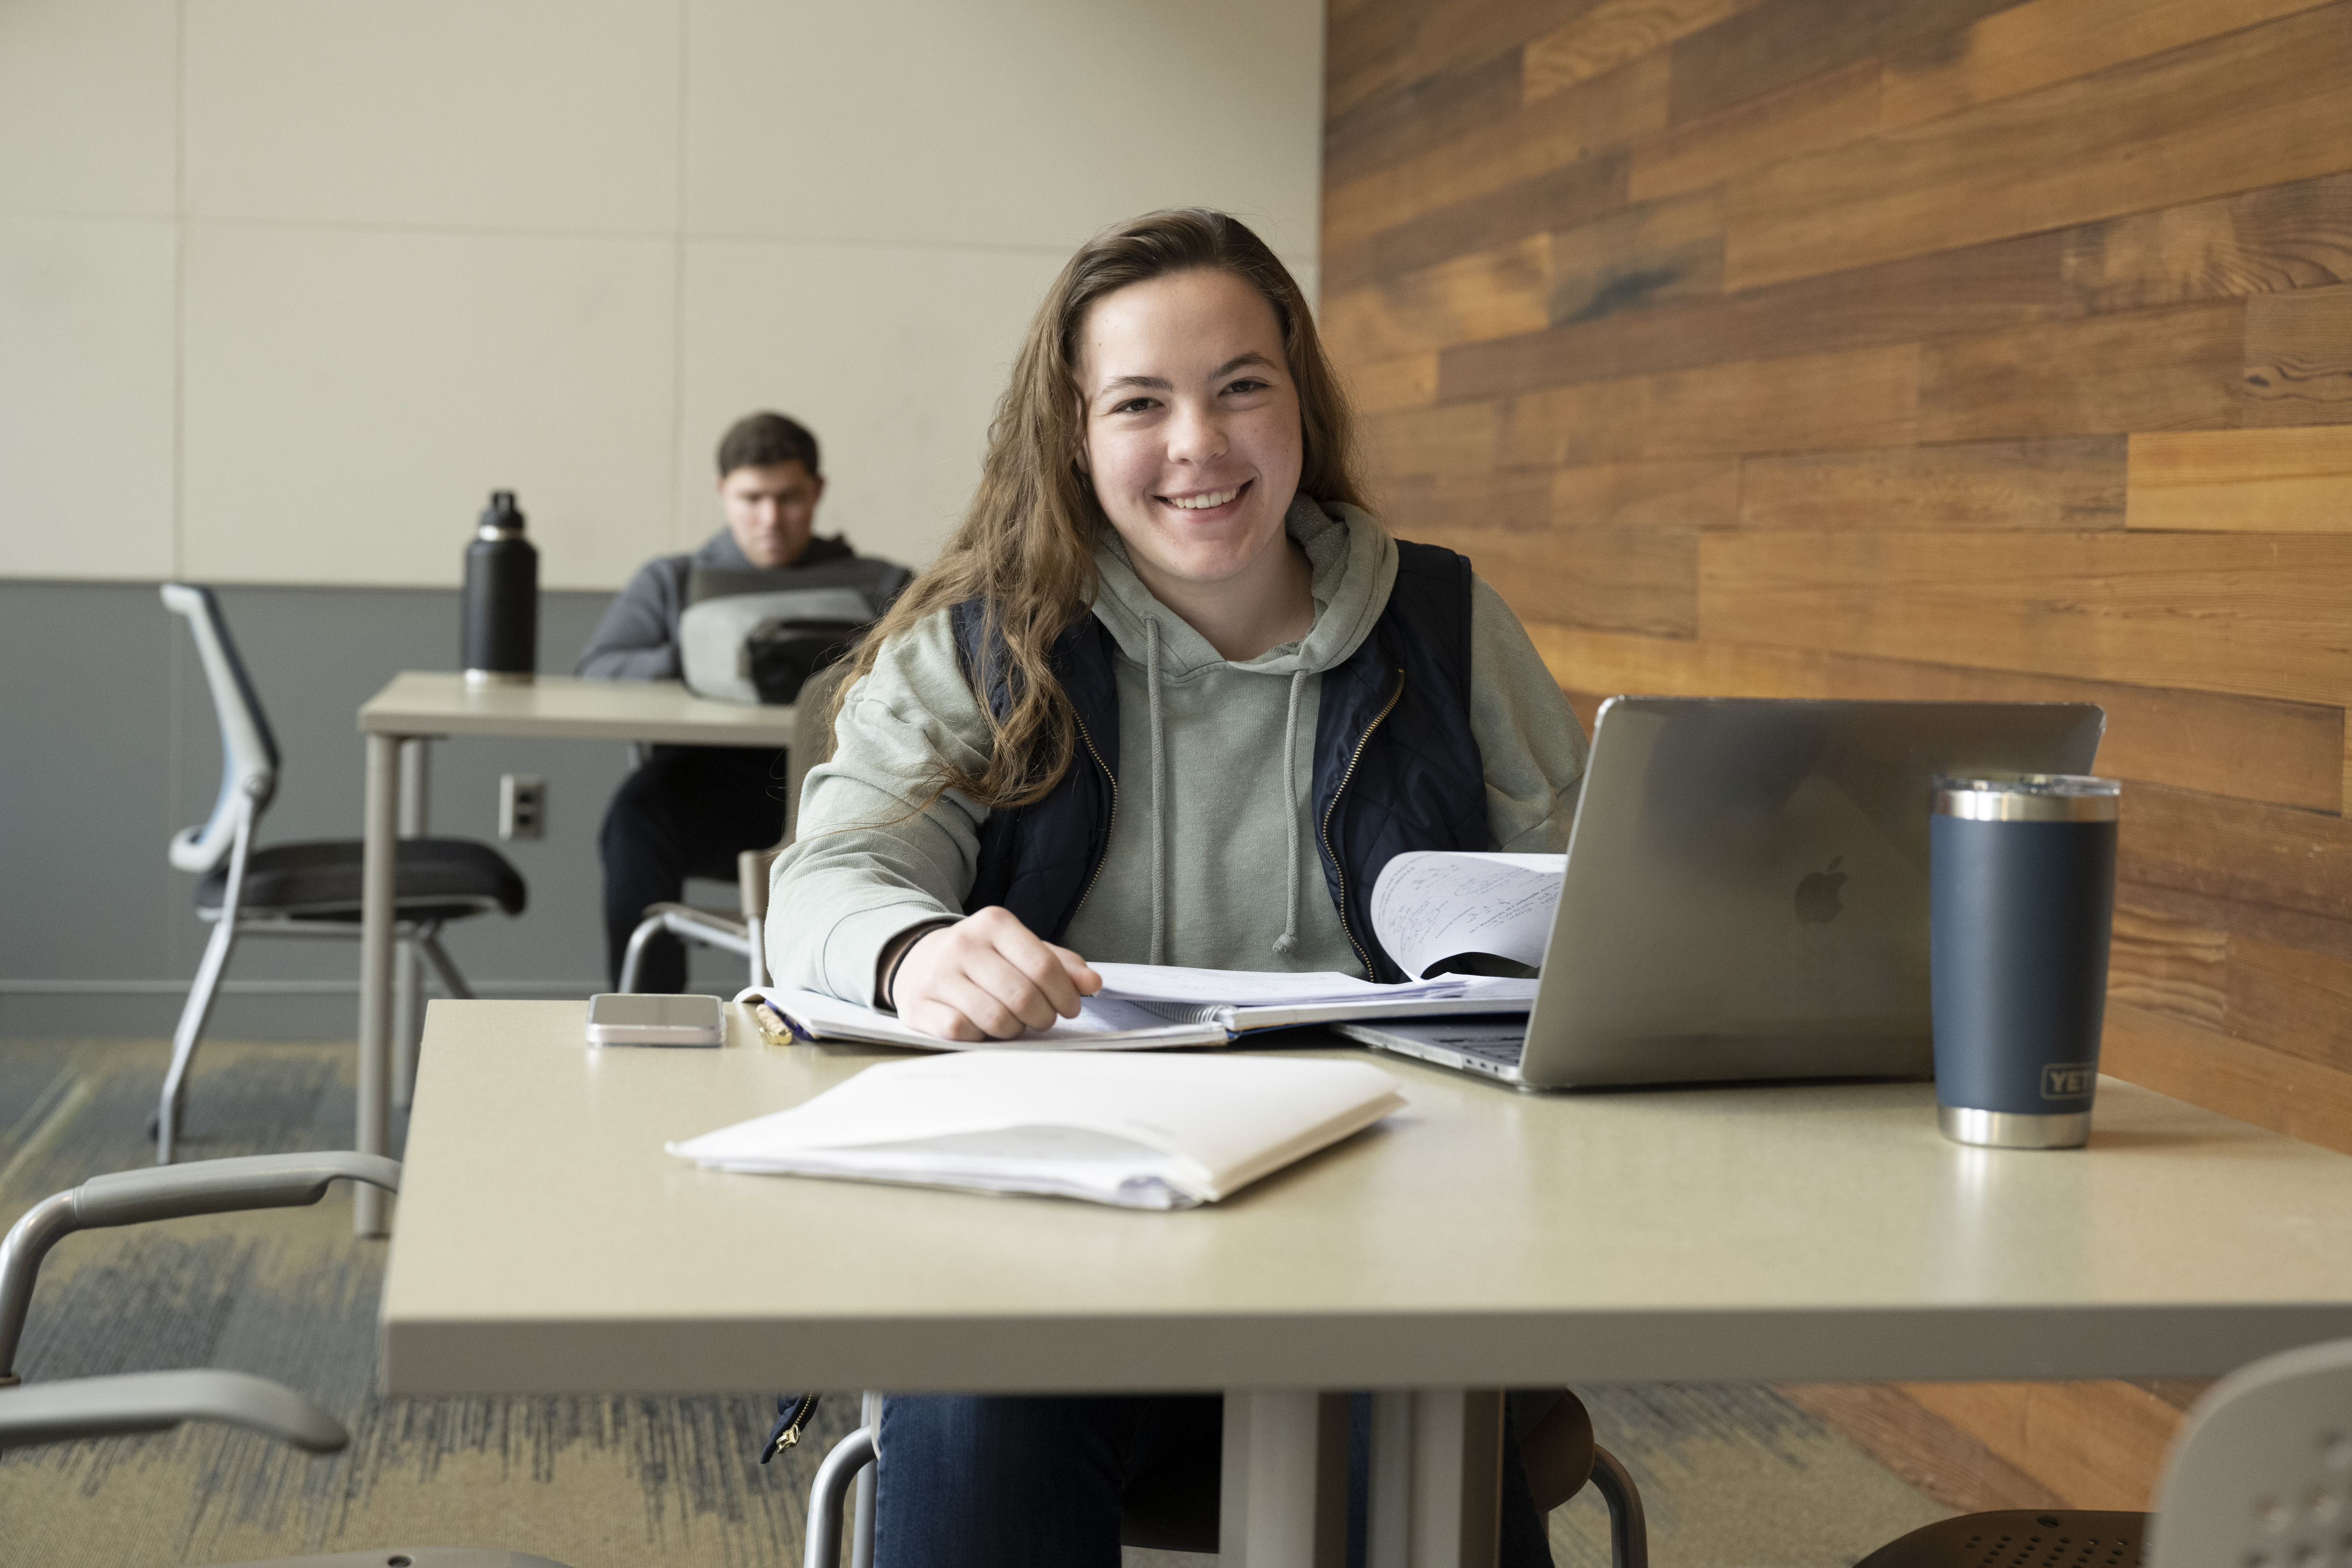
(439, 879)
(2020, 1538)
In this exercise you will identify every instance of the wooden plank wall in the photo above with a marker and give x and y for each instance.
(1928, 348)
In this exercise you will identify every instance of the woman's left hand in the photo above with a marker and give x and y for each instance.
(988, 977)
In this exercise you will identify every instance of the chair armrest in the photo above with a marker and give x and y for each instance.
(223, 1186)
(158, 1401)
(165, 1192)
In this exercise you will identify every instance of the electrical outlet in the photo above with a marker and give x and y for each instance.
(522, 805)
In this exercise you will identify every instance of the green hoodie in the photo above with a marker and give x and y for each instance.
(1222, 868)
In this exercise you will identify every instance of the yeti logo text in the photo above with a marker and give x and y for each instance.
(2068, 1080)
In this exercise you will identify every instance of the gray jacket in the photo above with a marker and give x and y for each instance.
(637, 638)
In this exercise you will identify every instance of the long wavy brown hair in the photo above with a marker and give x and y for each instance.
(1025, 546)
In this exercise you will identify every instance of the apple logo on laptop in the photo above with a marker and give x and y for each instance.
(1817, 895)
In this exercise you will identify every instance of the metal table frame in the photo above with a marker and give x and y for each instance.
(400, 721)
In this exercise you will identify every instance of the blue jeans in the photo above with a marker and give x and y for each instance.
(969, 1482)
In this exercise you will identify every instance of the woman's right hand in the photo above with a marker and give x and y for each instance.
(988, 977)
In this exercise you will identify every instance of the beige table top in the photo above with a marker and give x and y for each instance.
(547, 1243)
(566, 707)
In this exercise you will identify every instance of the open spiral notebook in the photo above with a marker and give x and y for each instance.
(1177, 1007)
(1428, 907)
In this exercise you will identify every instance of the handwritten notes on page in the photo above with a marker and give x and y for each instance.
(1431, 904)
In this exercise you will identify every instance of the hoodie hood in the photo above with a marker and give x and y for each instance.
(1354, 563)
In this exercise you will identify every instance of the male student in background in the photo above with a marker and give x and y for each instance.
(688, 811)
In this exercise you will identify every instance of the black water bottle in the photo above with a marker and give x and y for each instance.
(501, 630)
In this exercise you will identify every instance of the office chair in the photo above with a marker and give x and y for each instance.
(159, 1401)
(1174, 1508)
(308, 889)
(741, 931)
(2261, 1475)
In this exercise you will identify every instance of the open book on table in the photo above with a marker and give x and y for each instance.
(1137, 1131)
(1113, 1020)
(1427, 907)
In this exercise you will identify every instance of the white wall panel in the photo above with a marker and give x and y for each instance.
(89, 104)
(893, 356)
(352, 398)
(555, 245)
(542, 114)
(1015, 122)
(86, 310)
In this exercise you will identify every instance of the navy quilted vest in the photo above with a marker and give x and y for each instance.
(1396, 766)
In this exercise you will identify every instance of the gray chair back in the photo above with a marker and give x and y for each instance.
(2262, 1473)
(812, 744)
(812, 737)
(248, 750)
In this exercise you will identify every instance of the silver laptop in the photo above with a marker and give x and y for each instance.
(1745, 895)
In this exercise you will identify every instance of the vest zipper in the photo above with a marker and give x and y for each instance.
(1109, 822)
(1332, 810)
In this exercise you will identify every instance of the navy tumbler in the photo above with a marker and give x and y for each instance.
(2022, 890)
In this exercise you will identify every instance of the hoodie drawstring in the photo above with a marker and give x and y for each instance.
(1288, 943)
(1159, 794)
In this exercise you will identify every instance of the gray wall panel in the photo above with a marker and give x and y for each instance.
(85, 723)
(111, 746)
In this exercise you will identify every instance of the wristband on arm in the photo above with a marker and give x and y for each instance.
(893, 956)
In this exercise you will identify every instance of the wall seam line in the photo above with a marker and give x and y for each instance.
(180, 291)
(678, 521)
(175, 659)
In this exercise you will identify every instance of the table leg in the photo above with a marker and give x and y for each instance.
(1436, 1480)
(379, 866)
(1283, 1497)
(408, 963)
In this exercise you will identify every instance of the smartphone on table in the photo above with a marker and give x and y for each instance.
(625, 1018)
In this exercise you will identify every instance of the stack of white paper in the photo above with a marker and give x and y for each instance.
(1102, 1024)
(1140, 1131)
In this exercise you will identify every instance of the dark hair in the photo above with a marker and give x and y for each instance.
(764, 440)
(1025, 547)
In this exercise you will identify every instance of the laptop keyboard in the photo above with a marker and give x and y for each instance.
(1486, 1048)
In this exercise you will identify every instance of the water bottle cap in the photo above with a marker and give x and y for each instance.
(501, 519)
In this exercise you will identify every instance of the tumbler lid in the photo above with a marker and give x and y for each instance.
(2029, 797)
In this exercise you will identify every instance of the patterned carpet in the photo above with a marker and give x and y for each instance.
(1731, 1475)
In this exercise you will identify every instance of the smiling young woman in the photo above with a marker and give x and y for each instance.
(1170, 694)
